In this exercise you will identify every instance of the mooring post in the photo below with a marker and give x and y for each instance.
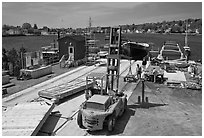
(143, 97)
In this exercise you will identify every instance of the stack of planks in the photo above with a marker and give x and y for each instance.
(66, 89)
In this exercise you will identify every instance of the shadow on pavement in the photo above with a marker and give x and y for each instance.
(146, 105)
(122, 121)
(48, 127)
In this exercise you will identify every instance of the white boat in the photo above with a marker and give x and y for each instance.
(170, 51)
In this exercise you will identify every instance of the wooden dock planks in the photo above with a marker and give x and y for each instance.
(65, 89)
(25, 119)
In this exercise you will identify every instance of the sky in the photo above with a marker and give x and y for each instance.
(76, 14)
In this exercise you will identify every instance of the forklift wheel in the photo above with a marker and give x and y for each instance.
(79, 120)
(111, 123)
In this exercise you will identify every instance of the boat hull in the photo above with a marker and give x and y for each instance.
(136, 51)
(171, 55)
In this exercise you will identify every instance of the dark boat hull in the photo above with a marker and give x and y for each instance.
(135, 51)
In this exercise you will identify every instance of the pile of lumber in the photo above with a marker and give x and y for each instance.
(65, 89)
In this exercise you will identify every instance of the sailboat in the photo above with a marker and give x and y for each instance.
(187, 50)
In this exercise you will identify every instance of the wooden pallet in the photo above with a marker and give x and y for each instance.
(25, 119)
(65, 89)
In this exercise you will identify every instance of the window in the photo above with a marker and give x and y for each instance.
(96, 106)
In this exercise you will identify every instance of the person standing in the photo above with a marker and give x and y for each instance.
(154, 72)
(138, 71)
(144, 63)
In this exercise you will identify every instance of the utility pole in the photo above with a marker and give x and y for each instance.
(186, 39)
(87, 38)
(22, 59)
(90, 24)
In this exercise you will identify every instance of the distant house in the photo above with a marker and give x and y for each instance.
(72, 46)
(36, 32)
(14, 31)
(10, 31)
(44, 32)
(32, 59)
(105, 30)
(168, 30)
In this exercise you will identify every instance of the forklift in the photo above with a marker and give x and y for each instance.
(104, 104)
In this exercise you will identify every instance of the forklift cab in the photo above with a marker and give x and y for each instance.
(98, 84)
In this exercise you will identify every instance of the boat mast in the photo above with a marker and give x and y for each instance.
(186, 39)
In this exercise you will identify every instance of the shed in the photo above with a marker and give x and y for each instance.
(73, 46)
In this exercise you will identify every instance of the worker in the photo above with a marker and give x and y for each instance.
(195, 70)
(190, 69)
(144, 63)
(187, 53)
(155, 73)
(138, 71)
(161, 74)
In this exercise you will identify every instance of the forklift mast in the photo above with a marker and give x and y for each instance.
(113, 60)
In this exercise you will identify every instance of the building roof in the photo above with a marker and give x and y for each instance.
(74, 37)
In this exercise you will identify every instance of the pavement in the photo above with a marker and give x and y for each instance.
(67, 118)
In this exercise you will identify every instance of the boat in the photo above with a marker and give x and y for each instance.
(187, 50)
(153, 51)
(135, 50)
(170, 51)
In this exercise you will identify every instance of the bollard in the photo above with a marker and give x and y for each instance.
(147, 100)
(139, 99)
(143, 91)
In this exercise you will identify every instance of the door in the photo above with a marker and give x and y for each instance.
(71, 53)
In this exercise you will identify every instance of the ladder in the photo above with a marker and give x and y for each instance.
(113, 60)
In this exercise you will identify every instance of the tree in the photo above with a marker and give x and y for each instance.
(3, 51)
(13, 57)
(7, 27)
(26, 26)
(22, 49)
(22, 59)
(35, 26)
(180, 23)
(176, 29)
(4, 59)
